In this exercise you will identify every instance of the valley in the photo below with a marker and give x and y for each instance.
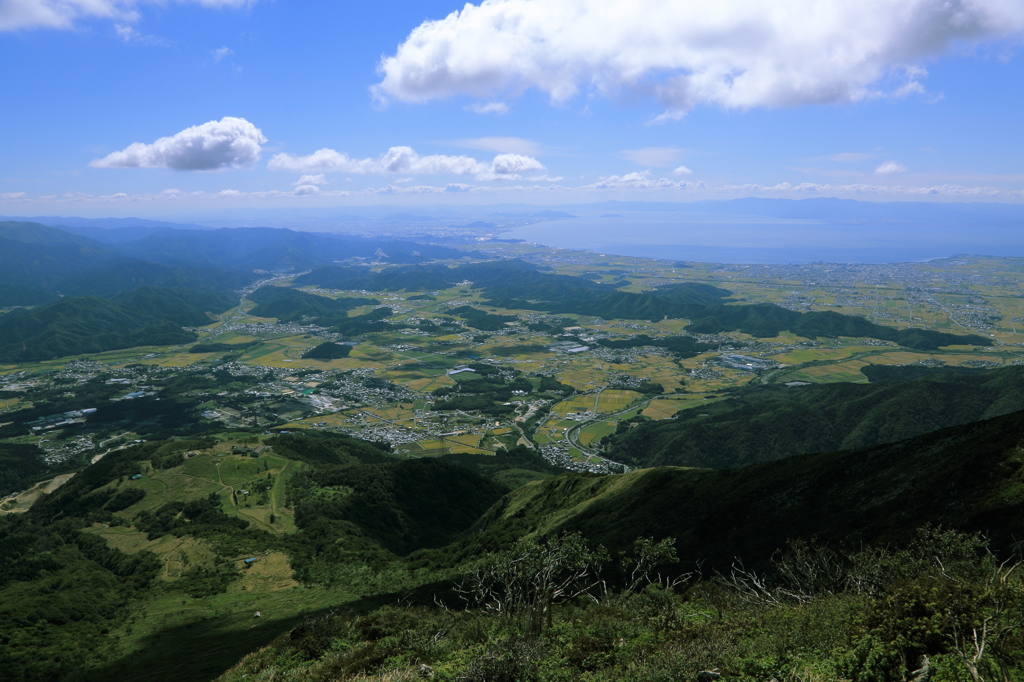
(320, 438)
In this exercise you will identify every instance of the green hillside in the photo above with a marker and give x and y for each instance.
(328, 350)
(156, 524)
(18, 296)
(20, 465)
(857, 565)
(290, 305)
(765, 423)
(148, 316)
(148, 546)
(966, 477)
(767, 320)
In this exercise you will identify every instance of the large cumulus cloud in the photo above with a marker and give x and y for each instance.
(406, 161)
(227, 143)
(731, 53)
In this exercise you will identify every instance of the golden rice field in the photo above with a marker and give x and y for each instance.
(576, 404)
(663, 408)
(596, 431)
(840, 372)
(613, 400)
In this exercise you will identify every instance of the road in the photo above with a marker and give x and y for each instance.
(572, 435)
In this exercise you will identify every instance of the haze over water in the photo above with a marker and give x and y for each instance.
(719, 239)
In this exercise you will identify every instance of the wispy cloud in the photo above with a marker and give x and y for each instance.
(129, 35)
(890, 168)
(488, 108)
(16, 15)
(899, 190)
(221, 52)
(405, 161)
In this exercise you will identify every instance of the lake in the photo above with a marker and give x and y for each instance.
(721, 239)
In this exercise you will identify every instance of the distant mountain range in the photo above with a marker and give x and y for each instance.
(41, 258)
(139, 284)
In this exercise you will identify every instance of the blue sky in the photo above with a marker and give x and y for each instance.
(542, 102)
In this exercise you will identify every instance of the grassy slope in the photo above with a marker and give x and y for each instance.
(167, 634)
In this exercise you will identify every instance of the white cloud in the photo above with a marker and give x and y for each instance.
(511, 145)
(130, 35)
(682, 170)
(512, 164)
(62, 14)
(226, 143)
(643, 180)
(222, 52)
(657, 157)
(488, 108)
(405, 161)
(730, 53)
(890, 167)
(815, 188)
(317, 179)
(635, 182)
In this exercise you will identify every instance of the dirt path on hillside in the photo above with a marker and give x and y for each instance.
(23, 502)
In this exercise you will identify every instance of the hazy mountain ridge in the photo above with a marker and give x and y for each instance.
(128, 274)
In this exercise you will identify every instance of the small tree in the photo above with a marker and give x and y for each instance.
(527, 581)
(642, 568)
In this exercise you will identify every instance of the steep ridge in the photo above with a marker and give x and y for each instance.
(765, 423)
(968, 477)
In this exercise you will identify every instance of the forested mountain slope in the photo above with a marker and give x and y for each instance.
(288, 305)
(969, 477)
(130, 274)
(765, 423)
(72, 326)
